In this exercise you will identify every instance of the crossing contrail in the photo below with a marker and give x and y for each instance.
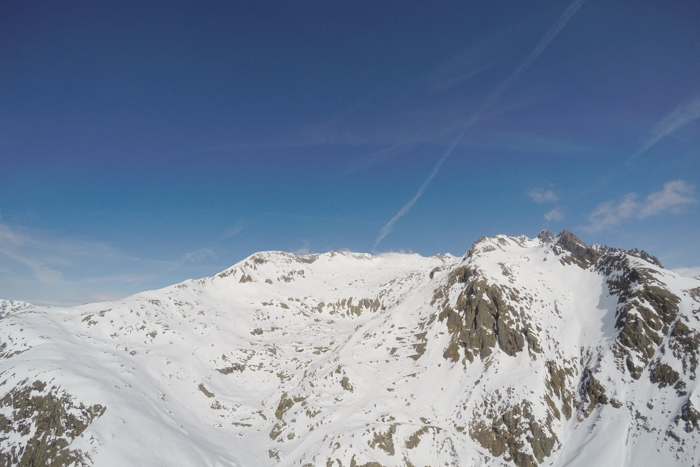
(482, 111)
(546, 40)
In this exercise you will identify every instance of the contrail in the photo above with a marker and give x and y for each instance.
(682, 116)
(546, 40)
(407, 207)
(479, 114)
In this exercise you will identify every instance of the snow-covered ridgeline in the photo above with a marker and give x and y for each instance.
(531, 351)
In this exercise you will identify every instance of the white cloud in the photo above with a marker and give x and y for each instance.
(684, 114)
(554, 215)
(540, 196)
(672, 199)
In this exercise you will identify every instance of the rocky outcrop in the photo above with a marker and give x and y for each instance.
(487, 316)
(46, 420)
(514, 433)
(481, 319)
(645, 312)
(572, 250)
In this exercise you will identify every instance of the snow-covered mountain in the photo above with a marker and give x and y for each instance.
(522, 352)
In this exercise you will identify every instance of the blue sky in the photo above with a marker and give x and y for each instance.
(143, 144)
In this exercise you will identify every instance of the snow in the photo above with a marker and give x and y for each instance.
(194, 374)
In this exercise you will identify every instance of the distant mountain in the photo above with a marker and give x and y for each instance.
(522, 352)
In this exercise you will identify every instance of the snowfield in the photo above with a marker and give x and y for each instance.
(522, 352)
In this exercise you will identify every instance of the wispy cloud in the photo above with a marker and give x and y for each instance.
(240, 226)
(483, 111)
(41, 272)
(554, 215)
(199, 255)
(541, 196)
(683, 115)
(32, 266)
(304, 250)
(672, 199)
(41, 268)
(235, 230)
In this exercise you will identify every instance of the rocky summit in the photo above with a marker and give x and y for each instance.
(522, 352)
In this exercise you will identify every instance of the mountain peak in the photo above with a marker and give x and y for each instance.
(546, 236)
(574, 250)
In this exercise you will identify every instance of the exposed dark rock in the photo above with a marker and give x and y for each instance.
(685, 345)
(473, 248)
(645, 256)
(7, 354)
(546, 236)
(345, 384)
(533, 343)
(384, 441)
(695, 293)
(645, 312)
(481, 319)
(592, 392)
(230, 369)
(414, 439)
(52, 419)
(690, 416)
(203, 389)
(285, 404)
(663, 375)
(245, 278)
(502, 433)
(558, 383)
(574, 251)
(353, 463)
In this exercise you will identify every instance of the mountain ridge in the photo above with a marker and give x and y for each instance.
(541, 351)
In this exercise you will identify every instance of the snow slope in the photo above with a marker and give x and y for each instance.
(524, 351)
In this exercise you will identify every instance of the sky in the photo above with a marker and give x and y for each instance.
(143, 144)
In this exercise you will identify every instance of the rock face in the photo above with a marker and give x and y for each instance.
(47, 421)
(523, 352)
